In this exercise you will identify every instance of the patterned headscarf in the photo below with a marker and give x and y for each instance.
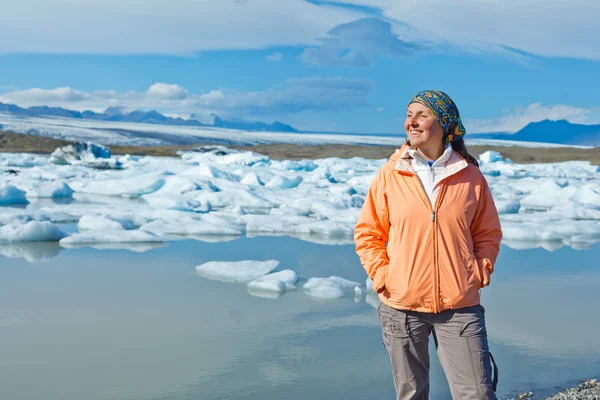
(445, 110)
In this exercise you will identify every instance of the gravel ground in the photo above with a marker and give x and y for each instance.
(588, 390)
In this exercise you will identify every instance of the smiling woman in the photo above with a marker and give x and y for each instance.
(428, 236)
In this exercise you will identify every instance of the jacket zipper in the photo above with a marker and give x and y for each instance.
(434, 217)
(436, 267)
(434, 221)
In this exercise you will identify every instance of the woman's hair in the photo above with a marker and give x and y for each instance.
(458, 145)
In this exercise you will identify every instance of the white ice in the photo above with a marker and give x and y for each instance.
(329, 288)
(111, 236)
(219, 193)
(12, 195)
(86, 154)
(32, 231)
(236, 271)
(281, 281)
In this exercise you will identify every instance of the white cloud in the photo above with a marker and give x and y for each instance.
(155, 27)
(49, 96)
(355, 43)
(292, 97)
(543, 27)
(513, 120)
(275, 57)
(165, 91)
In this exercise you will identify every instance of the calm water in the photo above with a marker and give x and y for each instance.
(117, 324)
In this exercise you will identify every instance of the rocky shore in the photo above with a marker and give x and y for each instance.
(587, 390)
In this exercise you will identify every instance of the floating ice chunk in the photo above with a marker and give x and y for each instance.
(79, 151)
(222, 155)
(208, 171)
(265, 294)
(546, 195)
(134, 247)
(333, 287)
(236, 271)
(588, 196)
(11, 195)
(111, 236)
(282, 182)
(234, 197)
(369, 285)
(251, 180)
(32, 231)
(372, 299)
(86, 154)
(507, 206)
(22, 160)
(49, 190)
(198, 225)
(245, 158)
(281, 281)
(297, 165)
(178, 185)
(276, 223)
(174, 202)
(128, 187)
(330, 228)
(238, 210)
(97, 223)
(286, 210)
(529, 232)
(575, 211)
(358, 291)
(488, 157)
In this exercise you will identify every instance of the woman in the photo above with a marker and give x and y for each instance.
(428, 236)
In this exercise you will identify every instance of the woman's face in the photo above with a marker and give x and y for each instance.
(422, 127)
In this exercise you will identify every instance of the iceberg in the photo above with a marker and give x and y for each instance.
(213, 193)
(333, 287)
(10, 195)
(281, 281)
(111, 236)
(86, 154)
(32, 231)
(98, 222)
(236, 271)
(283, 182)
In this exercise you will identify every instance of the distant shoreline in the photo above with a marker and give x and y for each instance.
(23, 143)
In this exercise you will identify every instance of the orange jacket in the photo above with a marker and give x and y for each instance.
(425, 258)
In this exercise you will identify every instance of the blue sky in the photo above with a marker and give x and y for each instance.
(345, 65)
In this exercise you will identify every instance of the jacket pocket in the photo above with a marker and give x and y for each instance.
(474, 273)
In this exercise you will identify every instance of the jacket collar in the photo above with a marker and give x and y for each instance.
(403, 158)
(419, 160)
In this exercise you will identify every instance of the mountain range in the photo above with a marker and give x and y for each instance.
(547, 131)
(148, 117)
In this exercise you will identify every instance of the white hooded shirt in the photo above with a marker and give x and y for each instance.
(430, 173)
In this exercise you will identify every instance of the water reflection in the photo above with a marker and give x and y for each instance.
(140, 247)
(145, 326)
(32, 252)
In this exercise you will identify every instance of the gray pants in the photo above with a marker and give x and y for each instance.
(462, 350)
